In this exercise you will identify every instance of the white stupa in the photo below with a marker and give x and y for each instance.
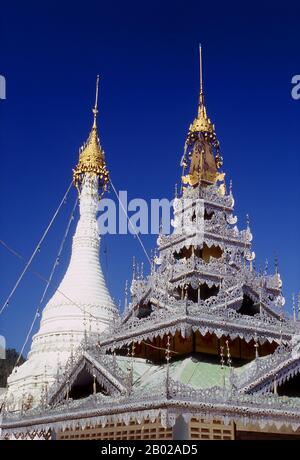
(82, 303)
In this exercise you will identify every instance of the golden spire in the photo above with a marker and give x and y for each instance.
(202, 123)
(202, 146)
(95, 109)
(91, 155)
(201, 94)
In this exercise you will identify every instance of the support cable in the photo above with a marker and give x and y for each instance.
(128, 218)
(36, 250)
(43, 278)
(159, 348)
(38, 310)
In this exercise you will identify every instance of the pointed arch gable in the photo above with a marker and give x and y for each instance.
(276, 374)
(89, 365)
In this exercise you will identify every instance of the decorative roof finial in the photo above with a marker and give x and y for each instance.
(256, 345)
(276, 263)
(266, 267)
(222, 364)
(201, 94)
(94, 383)
(142, 270)
(294, 308)
(95, 109)
(126, 296)
(280, 328)
(229, 360)
(167, 355)
(133, 268)
(222, 356)
(202, 123)
(91, 157)
(248, 221)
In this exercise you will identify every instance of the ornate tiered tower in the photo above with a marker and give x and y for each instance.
(205, 267)
(82, 304)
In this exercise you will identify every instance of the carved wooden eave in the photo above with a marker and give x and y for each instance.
(211, 239)
(215, 321)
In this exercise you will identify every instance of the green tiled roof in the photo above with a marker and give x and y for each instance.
(198, 373)
(201, 374)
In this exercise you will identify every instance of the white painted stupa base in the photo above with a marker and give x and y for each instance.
(80, 305)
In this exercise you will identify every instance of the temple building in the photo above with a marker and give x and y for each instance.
(204, 348)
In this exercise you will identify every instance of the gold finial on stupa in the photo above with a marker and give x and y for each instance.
(95, 109)
(91, 155)
(201, 123)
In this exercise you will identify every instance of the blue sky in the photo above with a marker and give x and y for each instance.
(148, 60)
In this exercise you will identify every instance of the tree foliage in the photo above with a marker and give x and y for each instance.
(7, 365)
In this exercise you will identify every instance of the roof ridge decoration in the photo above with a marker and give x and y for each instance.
(91, 154)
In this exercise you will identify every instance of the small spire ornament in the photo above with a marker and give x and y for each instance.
(248, 222)
(276, 263)
(199, 293)
(68, 390)
(130, 356)
(176, 191)
(133, 268)
(275, 386)
(94, 383)
(152, 262)
(266, 267)
(168, 357)
(260, 298)
(229, 360)
(294, 308)
(222, 364)
(126, 296)
(137, 268)
(222, 356)
(280, 328)
(256, 345)
(133, 350)
(115, 356)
